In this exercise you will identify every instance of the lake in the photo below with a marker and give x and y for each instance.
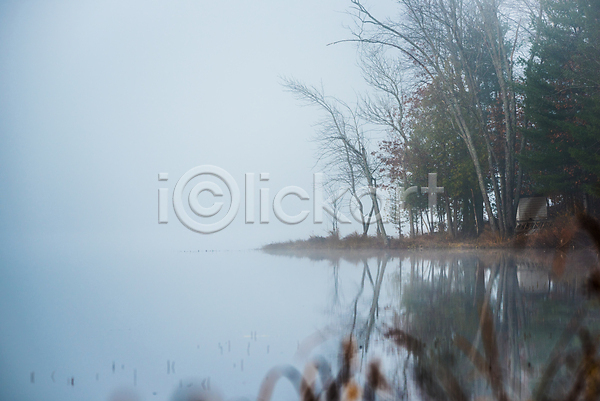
(158, 326)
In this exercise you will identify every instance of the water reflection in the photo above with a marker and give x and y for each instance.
(496, 325)
(445, 325)
(448, 298)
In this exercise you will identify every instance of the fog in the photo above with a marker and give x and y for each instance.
(128, 131)
(97, 99)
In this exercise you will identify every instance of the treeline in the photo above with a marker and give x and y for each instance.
(500, 99)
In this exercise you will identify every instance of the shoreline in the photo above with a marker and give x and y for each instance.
(563, 235)
(353, 242)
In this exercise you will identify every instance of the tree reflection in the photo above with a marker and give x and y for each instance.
(446, 300)
(364, 332)
(467, 325)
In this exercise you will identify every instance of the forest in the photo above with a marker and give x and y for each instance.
(501, 99)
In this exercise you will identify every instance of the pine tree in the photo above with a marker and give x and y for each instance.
(563, 99)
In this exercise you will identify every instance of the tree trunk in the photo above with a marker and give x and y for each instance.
(451, 229)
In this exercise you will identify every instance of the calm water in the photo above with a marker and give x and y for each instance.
(154, 325)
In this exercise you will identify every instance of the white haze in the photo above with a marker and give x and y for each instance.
(97, 99)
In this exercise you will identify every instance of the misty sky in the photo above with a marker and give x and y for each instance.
(97, 98)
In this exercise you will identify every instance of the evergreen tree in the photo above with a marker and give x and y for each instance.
(563, 99)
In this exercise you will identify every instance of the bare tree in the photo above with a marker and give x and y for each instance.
(332, 189)
(343, 148)
(460, 47)
(386, 107)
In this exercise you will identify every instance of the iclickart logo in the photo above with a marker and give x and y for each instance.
(192, 214)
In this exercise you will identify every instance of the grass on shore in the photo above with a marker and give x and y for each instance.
(560, 233)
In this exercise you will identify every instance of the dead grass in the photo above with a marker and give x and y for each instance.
(562, 233)
(356, 241)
